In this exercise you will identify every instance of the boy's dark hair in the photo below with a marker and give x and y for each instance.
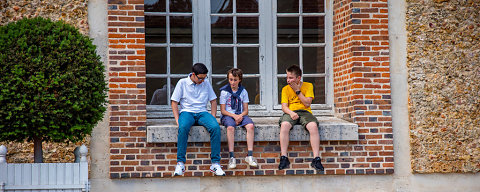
(199, 68)
(236, 73)
(295, 69)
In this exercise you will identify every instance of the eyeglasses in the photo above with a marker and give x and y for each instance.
(201, 79)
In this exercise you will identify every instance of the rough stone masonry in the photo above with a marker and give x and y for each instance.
(444, 86)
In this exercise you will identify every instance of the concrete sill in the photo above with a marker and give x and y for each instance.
(266, 129)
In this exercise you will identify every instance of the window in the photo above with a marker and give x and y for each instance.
(261, 37)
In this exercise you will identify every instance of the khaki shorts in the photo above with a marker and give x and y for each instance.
(305, 117)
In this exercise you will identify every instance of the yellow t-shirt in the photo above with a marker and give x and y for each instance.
(294, 103)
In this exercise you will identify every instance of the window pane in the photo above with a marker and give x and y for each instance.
(313, 6)
(154, 5)
(181, 29)
(287, 30)
(221, 6)
(156, 60)
(222, 59)
(253, 89)
(156, 91)
(248, 59)
(181, 60)
(318, 88)
(286, 56)
(155, 29)
(174, 82)
(313, 60)
(313, 30)
(184, 6)
(247, 6)
(247, 30)
(287, 6)
(222, 30)
(282, 82)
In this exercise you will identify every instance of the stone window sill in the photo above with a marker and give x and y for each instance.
(266, 129)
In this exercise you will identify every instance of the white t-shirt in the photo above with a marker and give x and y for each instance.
(193, 97)
(226, 98)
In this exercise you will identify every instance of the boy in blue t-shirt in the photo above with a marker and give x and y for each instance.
(234, 108)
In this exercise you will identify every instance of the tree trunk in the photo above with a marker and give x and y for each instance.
(38, 151)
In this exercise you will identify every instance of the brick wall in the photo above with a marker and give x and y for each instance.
(362, 93)
(362, 77)
(342, 58)
(127, 87)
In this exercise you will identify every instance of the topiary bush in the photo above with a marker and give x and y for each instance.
(52, 83)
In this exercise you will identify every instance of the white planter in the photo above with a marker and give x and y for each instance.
(44, 176)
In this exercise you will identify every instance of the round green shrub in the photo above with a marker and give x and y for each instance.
(52, 82)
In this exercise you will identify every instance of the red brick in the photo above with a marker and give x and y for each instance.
(129, 163)
(117, 13)
(373, 148)
(136, 46)
(125, 7)
(135, 13)
(136, 57)
(128, 85)
(135, 35)
(116, 35)
(145, 168)
(128, 139)
(375, 159)
(135, 2)
(116, 169)
(129, 151)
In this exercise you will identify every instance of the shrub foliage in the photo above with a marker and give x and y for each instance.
(52, 82)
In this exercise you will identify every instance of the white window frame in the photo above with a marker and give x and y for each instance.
(201, 43)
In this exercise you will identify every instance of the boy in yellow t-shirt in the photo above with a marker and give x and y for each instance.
(297, 97)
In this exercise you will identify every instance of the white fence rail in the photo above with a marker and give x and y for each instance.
(43, 177)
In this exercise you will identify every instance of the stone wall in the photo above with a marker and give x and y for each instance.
(73, 12)
(444, 86)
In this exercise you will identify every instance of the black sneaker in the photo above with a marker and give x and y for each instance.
(284, 163)
(316, 163)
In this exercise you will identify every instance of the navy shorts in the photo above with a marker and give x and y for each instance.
(228, 121)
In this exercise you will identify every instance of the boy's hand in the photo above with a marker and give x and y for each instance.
(238, 119)
(295, 86)
(294, 116)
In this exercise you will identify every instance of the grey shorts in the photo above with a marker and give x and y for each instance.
(304, 117)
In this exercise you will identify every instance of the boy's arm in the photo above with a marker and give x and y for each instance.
(285, 104)
(287, 110)
(307, 101)
(213, 104)
(223, 110)
(245, 109)
(175, 110)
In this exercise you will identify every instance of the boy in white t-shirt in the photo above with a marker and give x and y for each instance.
(234, 108)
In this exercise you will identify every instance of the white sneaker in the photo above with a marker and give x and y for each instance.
(232, 163)
(251, 161)
(217, 169)
(179, 169)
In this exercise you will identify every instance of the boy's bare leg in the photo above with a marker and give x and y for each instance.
(250, 136)
(230, 138)
(314, 138)
(284, 137)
